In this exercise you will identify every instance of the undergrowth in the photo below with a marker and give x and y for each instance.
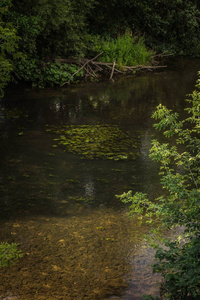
(126, 50)
(42, 74)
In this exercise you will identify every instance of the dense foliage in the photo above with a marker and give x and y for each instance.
(168, 25)
(36, 32)
(8, 46)
(49, 28)
(179, 159)
(42, 74)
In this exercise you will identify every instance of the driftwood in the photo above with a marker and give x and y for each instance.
(83, 66)
(113, 68)
(93, 68)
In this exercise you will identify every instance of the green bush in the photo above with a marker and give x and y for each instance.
(42, 74)
(179, 159)
(58, 74)
(8, 47)
(127, 50)
(180, 267)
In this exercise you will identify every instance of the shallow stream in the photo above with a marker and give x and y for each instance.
(59, 205)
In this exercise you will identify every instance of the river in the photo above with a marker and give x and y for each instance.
(65, 154)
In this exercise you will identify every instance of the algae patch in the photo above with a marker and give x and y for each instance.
(95, 141)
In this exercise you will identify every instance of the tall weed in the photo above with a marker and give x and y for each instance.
(127, 50)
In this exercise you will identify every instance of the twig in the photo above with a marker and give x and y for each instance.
(83, 67)
(143, 67)
(113, 69)
(118, 71)
(97, 65)
(102, 63)
(163, 55)
(88, 72)
(93, 73)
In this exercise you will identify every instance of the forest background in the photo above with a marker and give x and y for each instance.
(35, 34)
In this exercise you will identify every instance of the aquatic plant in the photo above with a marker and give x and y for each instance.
(9, 254)
(95, 141)
(87, 199)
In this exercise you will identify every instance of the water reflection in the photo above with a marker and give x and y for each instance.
(62, 210)
(89, 187)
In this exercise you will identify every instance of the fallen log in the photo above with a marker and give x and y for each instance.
(93, 68)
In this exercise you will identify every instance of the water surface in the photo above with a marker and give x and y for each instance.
(62, 209)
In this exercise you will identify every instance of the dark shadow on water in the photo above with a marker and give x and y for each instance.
(61, 209)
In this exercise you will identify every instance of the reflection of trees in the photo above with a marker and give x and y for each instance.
(148, 170)
(128, 102)
(89, 186)
(120, 101)
(62, 110)
(130, 97)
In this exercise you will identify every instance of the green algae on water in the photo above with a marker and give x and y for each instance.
(95, 141)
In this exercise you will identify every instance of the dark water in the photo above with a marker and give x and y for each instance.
(61, 209)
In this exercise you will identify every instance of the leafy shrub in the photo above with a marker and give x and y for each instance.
(127, 50)
(180, 267)
(58, 74)
(8, 47)
(45, 74)
(5, 70)
(179, 262)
